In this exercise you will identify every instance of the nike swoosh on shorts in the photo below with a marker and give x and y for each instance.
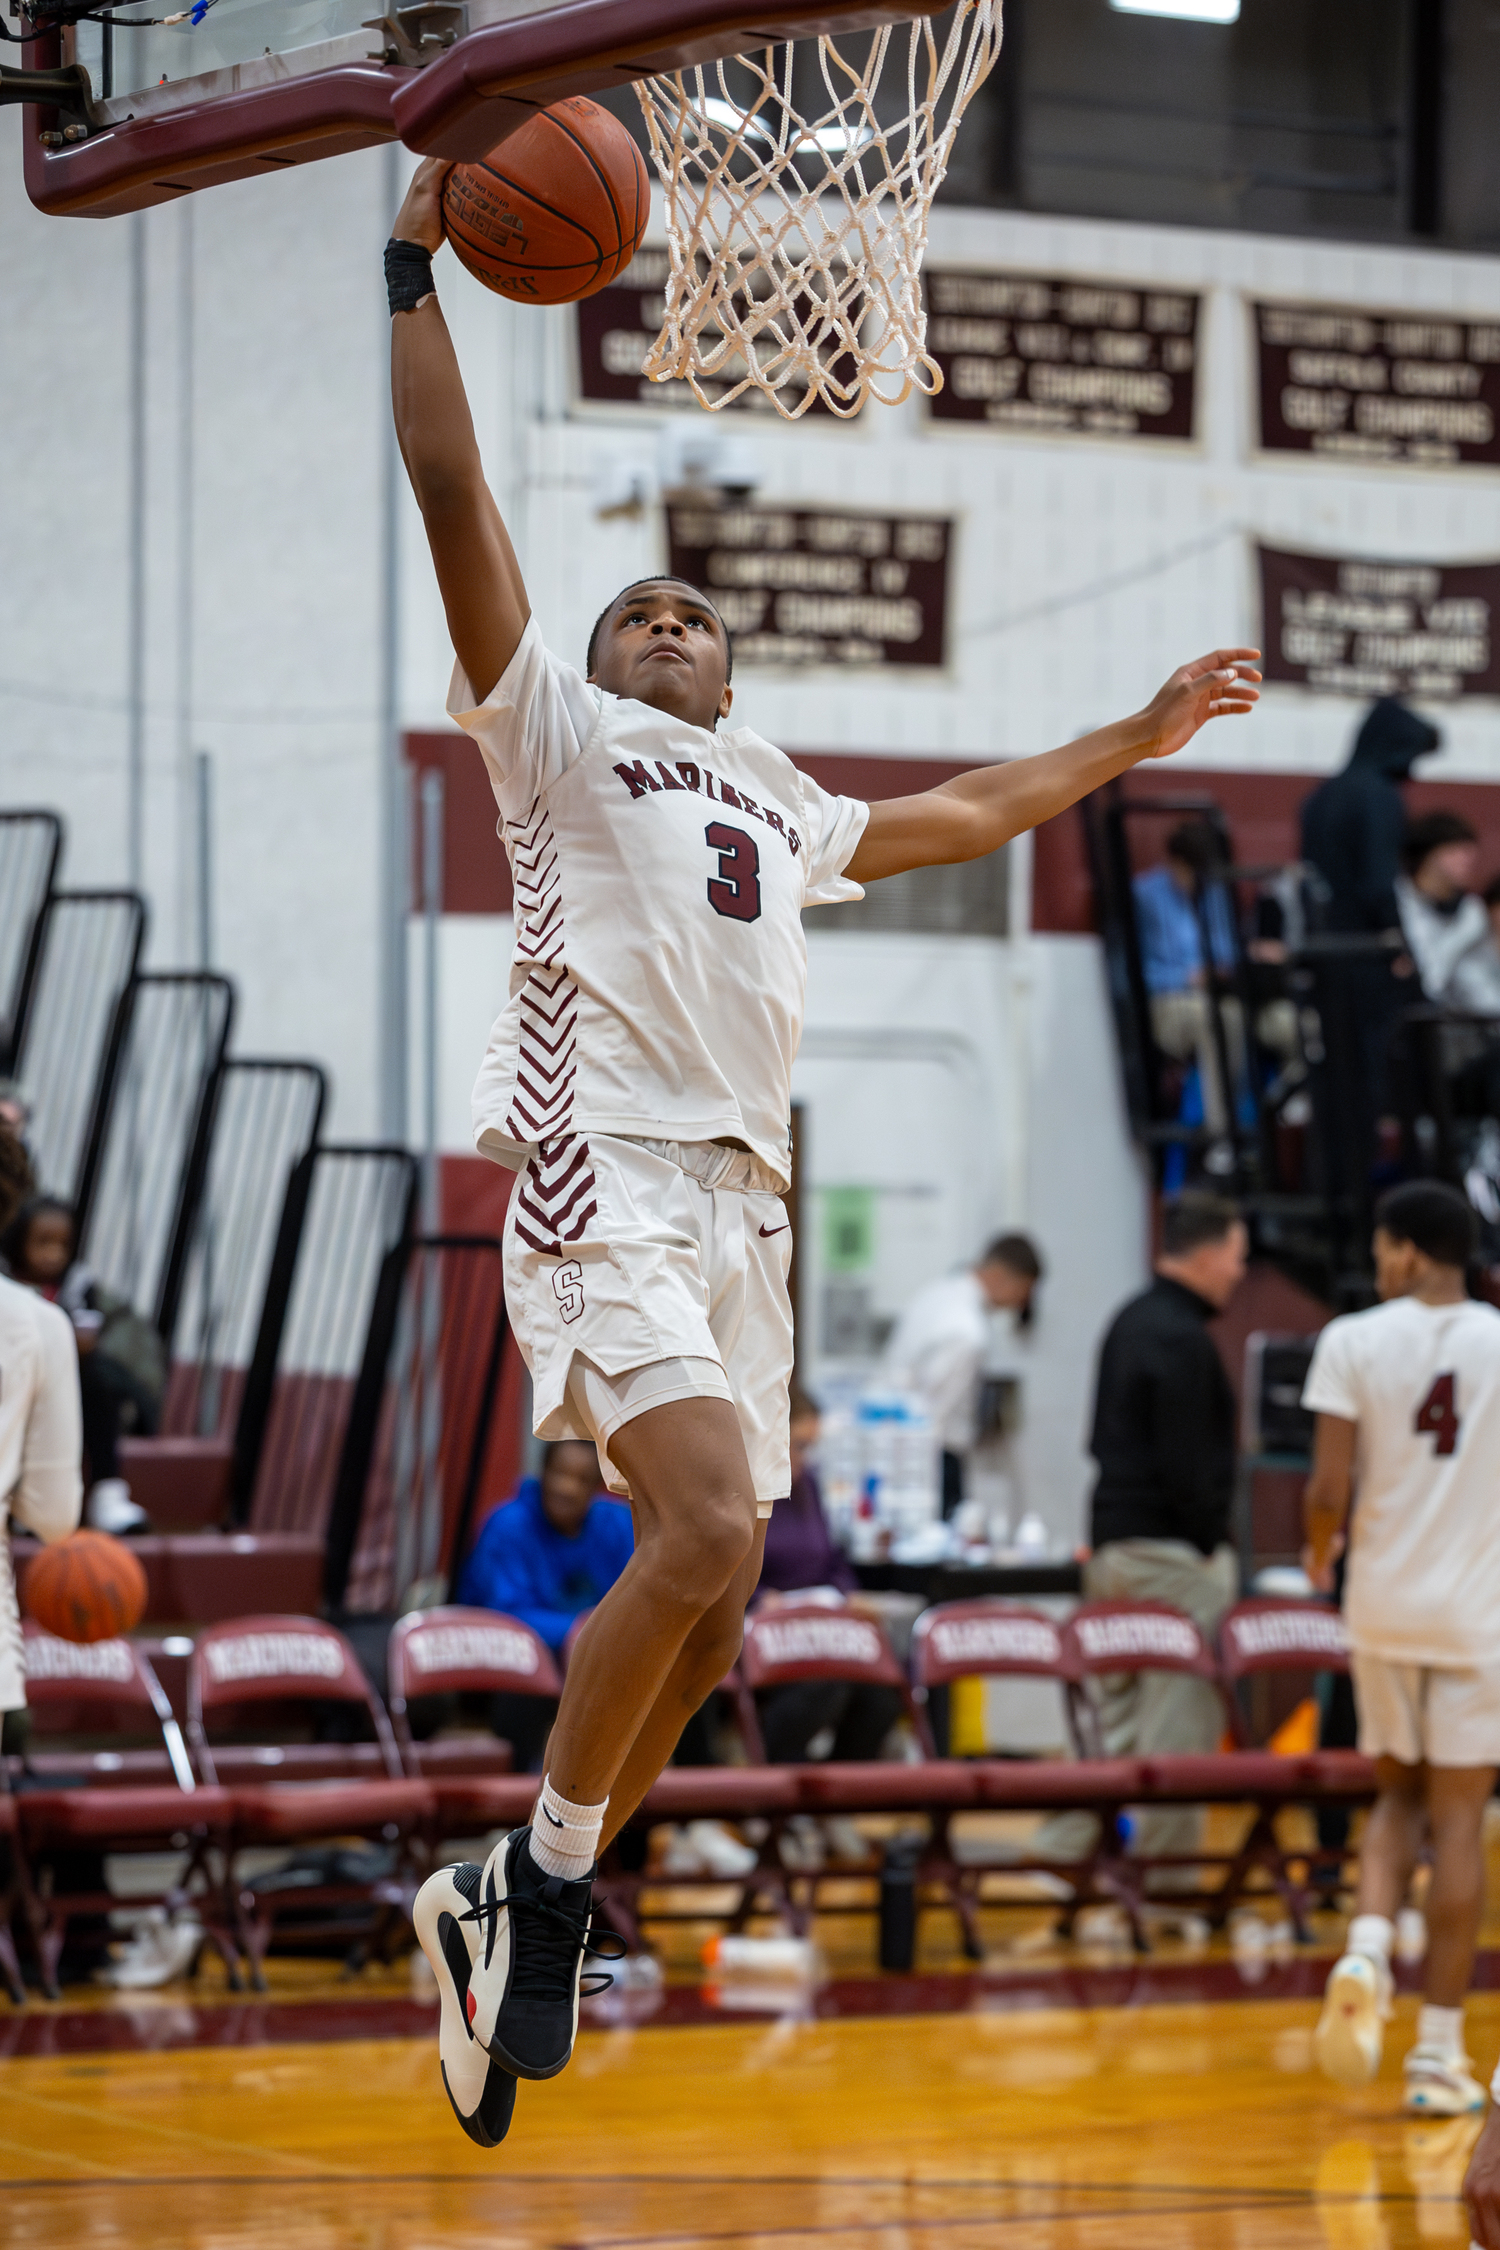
(774, 1230)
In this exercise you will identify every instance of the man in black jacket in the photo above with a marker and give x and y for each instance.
(1164, 1439)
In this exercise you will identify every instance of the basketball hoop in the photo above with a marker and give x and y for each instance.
(797, 215)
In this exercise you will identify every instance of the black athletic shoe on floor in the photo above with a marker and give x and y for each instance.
(481, 2094)
(524, 1985)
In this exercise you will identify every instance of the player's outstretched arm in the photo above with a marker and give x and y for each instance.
(977, 812)
(480, 580)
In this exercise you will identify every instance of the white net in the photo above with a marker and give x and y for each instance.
(797, 195)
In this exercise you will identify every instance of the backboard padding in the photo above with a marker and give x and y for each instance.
(590, 46)
(251, 113)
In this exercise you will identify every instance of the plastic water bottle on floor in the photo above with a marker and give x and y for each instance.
(791, 1959)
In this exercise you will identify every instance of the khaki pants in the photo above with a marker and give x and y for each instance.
(1182, 1024)
(1141, 1713)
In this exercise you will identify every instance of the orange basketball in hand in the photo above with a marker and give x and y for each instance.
(87, 1588)
(556, 211)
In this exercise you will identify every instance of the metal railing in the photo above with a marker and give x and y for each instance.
(435, 1416)
(30, 848)
(308, 1424)
(153, 1156)
(70, 1046)
(264, 1126)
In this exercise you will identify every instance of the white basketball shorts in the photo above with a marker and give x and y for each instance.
(1423, 1714)
(637, 1272)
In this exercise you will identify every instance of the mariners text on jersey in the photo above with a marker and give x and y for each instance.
(658, 982)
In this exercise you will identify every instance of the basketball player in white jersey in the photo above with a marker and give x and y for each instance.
(1407, 1398)
(41, 1423)
(639, 1083)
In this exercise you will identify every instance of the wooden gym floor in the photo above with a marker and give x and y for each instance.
(1059, 2098)
(1104, 2129)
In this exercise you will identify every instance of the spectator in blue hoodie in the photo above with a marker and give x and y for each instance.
(545, 1557)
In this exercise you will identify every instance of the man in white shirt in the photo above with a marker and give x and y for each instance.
(639, 1080)
(938, 1346)
(1407, 1399)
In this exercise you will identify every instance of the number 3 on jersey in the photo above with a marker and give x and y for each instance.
(1438, 1415)
(735, 890)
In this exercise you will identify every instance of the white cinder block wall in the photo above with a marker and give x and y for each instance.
(1085, 569)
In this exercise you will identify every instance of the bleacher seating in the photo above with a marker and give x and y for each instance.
(272, 1786)
(1101, 1638)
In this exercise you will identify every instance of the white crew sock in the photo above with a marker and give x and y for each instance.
(1371, 1934)
(565, 1836)
(1443, 2029)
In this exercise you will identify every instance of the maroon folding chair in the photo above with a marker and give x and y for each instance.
(784, 1646)
(466, 1652)
(1296, 1640)
(986, 1639)
(10, 1893)
(1262, 1636)
(812, 1641)
(1102, 1638)
(108, 1688)
(244, 1676)
(995, 1639)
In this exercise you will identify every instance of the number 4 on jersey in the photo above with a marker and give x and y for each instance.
(1438, 1414)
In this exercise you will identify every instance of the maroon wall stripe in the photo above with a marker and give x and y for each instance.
(476, 873)
(1261, 809)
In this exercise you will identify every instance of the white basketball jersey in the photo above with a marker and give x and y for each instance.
(660, 970)
(41, 1449)
(1423, 1384)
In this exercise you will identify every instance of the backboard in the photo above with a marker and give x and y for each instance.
(139, 112)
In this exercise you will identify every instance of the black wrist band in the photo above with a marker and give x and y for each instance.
(408, 275)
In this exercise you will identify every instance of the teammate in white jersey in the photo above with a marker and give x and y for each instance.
(41, 1423)
(1407, 1399)
(640, 1082)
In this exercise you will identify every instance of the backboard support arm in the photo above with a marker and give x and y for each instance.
(456, 96)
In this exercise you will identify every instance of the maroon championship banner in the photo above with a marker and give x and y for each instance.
(819, 585)
(1373, 386)
(617, 327)
(1053, 356)
(1353, 627)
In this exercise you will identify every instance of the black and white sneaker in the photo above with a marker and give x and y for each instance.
(524, 1985)
(482, 2095)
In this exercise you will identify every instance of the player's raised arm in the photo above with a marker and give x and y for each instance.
(977, 812)
(483, 592)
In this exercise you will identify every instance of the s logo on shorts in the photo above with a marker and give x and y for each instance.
(567, 1288)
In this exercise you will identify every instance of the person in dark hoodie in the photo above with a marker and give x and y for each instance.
(1352, 831)
(1353, 826)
